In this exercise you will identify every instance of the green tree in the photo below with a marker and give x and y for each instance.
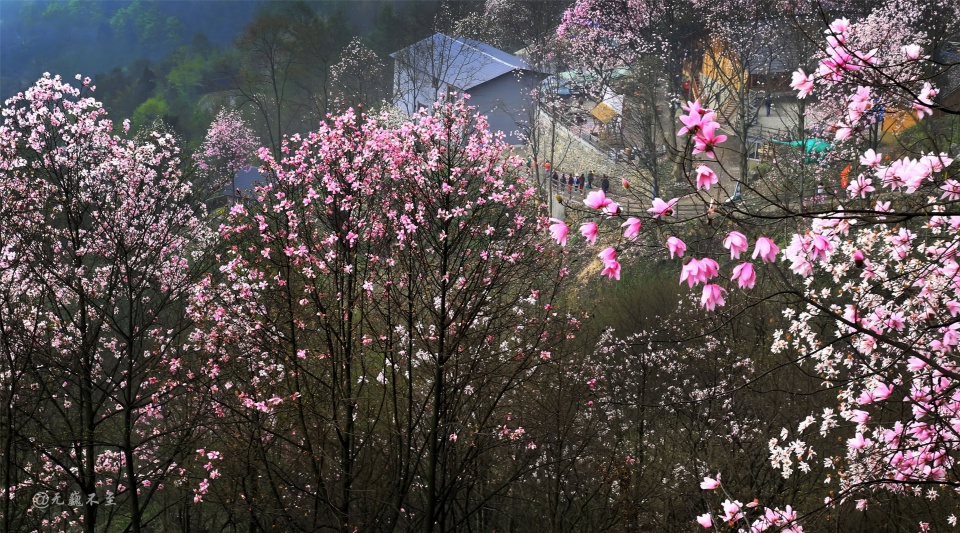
(154, 108)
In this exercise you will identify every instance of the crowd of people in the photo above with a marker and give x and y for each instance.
(582, 183)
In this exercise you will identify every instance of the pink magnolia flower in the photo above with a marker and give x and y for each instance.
(820, 247)
(608, 254)
(870, 158)
(731, 510)
(695, 118)
(843, 132)
(858, 442)
(597, 200)
(712, 296)
(951, 190)
(860, 417)
(860, 102)
(612, 208)
(707, 139)
(661, 208)
(676, 246)
(633, 225)
(860, 187)
(869, 58)
(699, 271)
(912, 51)
(840, 26)
(705, 521)
(611, 269)
(953, 307)
(858, 258)
(802, 83)
(789, 515)
(590, 231)
(925, 99)
(736, 242)
(559, 231)
(744, 275)
(838, 60)
(766, 249)
(882, 391)
(936, 163)
(691, 124)
(706, 177)
(709, 483)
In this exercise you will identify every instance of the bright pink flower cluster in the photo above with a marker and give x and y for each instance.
(699, 123)
(611, 268)
(732, 511)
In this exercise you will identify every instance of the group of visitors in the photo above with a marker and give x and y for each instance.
(581, 183)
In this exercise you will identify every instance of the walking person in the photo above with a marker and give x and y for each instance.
(582, 181)
(604, 184)
(569, 181)
(590, 180)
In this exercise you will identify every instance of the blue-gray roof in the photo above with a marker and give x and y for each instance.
(245, 181)
(459, 62)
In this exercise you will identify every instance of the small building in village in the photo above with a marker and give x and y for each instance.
(500, 85)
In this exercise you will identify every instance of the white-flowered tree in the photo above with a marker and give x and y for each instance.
(100, 249)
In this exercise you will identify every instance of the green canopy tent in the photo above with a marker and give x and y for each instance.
(811, 147)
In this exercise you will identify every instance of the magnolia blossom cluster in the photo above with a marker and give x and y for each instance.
(598, 201)
(700, 124)
(628, 31)
(696, 271)
(894, 297)
(750, 517)
(390, 252)
(361, 213)
(844, 63)
(229, 145)
(895, 302)
(904, 337)
(906, 175)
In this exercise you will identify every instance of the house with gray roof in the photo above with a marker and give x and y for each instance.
(499, 84)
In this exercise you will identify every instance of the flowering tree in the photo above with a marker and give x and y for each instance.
(359, 78)
(890, 345)
(228, 148)
(99, 249)
(386, 299)
(870, 291)
(677, 410)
